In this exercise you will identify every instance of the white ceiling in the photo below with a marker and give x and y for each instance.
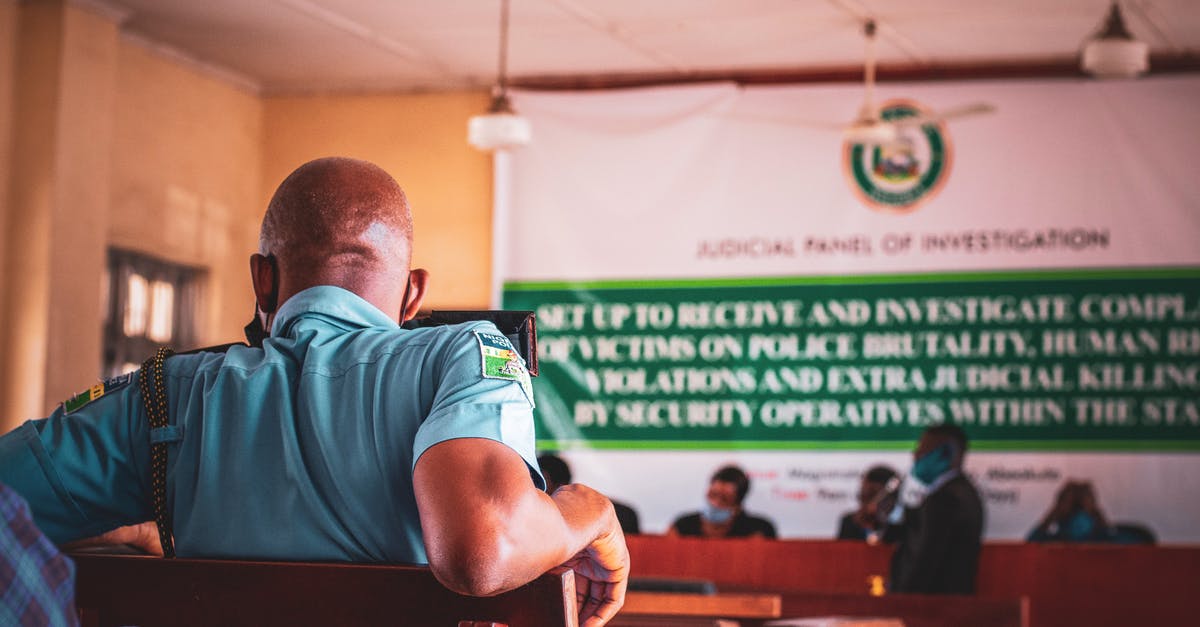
(285, 46)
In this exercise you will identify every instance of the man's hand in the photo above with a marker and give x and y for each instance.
(601, 569)
(488, 529)
(143, 536)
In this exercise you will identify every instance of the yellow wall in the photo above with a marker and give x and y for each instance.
(8, 60)
(105, 141)
(61, 116)
(80, 202)
(185, 177)
(421, 140)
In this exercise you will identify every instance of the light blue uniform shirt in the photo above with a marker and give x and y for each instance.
(301, 450)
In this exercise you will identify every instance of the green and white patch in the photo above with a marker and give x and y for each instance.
(501, 361)
(96, 391)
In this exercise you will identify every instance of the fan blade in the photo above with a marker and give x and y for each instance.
(779, 120)
(934, 117)
(871, 133)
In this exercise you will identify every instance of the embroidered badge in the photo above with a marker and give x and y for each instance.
(96, 391)
(501, 361)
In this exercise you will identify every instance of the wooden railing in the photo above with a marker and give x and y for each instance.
(1018, 584)
(1066, 585)
(120, 590)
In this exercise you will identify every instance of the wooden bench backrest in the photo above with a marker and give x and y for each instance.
(120, 590)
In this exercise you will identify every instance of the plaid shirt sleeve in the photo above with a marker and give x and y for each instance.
(37, 582)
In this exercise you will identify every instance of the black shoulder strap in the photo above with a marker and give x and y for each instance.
(154, 399)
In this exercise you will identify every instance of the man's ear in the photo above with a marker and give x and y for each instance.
(264, 275)
(418, 280)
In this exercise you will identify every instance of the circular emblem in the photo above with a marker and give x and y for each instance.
(899, 176)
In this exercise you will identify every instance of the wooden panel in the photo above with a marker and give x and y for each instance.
(843, 567)
(1062, 67)
(115, 590)
(1066, 585)
(1095, 584)
(913, 610)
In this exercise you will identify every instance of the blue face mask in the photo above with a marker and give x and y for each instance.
(933, 464)
(1080, 526)
(716, 515)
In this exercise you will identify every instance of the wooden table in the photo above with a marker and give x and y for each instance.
(645, 609)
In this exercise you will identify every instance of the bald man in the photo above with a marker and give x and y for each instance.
(344, 437)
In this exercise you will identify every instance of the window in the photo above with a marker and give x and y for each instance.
(150, 303)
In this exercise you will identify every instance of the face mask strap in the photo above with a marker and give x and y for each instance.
(255, 333)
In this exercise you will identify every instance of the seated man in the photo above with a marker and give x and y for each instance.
(722, 516)
(344, 436)
(865, 523)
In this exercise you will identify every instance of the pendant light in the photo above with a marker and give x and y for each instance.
(500, 128)
(1114, 53)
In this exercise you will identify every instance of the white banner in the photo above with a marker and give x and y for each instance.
(1065, 183)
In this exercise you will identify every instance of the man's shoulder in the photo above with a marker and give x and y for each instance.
(687, 522)
(957, 495)
(193, 361)
(962, 487)
(760, 524)
(450, 333)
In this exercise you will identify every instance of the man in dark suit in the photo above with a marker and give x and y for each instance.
(942, 528)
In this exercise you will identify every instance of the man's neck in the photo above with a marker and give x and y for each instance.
(386, 295)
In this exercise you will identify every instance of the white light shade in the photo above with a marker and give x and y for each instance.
(498, 131)
(1116, 58)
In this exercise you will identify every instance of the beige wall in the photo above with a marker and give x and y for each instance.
(61, 116)
(185, 177)
(105, 141)
(421, 140)
(8, 61)
(80, 204)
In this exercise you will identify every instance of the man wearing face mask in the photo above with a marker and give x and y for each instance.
(722, 516)
(940, 519)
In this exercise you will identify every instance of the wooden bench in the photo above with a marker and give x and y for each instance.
(120, 590)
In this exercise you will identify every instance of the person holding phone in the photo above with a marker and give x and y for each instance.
(939, 520)
(875, 498)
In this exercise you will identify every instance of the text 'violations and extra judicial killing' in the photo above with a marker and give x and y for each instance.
(1096, 360)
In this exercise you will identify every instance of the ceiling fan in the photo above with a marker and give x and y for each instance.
(870, 127)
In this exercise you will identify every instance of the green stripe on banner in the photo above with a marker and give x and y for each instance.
(1071, 360)
(863, 279)
(1115, 446)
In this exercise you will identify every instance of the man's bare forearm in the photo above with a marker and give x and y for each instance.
(488, 529)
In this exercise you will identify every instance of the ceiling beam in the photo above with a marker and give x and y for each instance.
(1046, 68)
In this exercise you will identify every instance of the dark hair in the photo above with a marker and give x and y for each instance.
(555, 469)
(736, 476)
(949, 431)
(879, 474)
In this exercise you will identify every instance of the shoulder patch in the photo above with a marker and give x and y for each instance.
(500, 361)
(96, 391)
